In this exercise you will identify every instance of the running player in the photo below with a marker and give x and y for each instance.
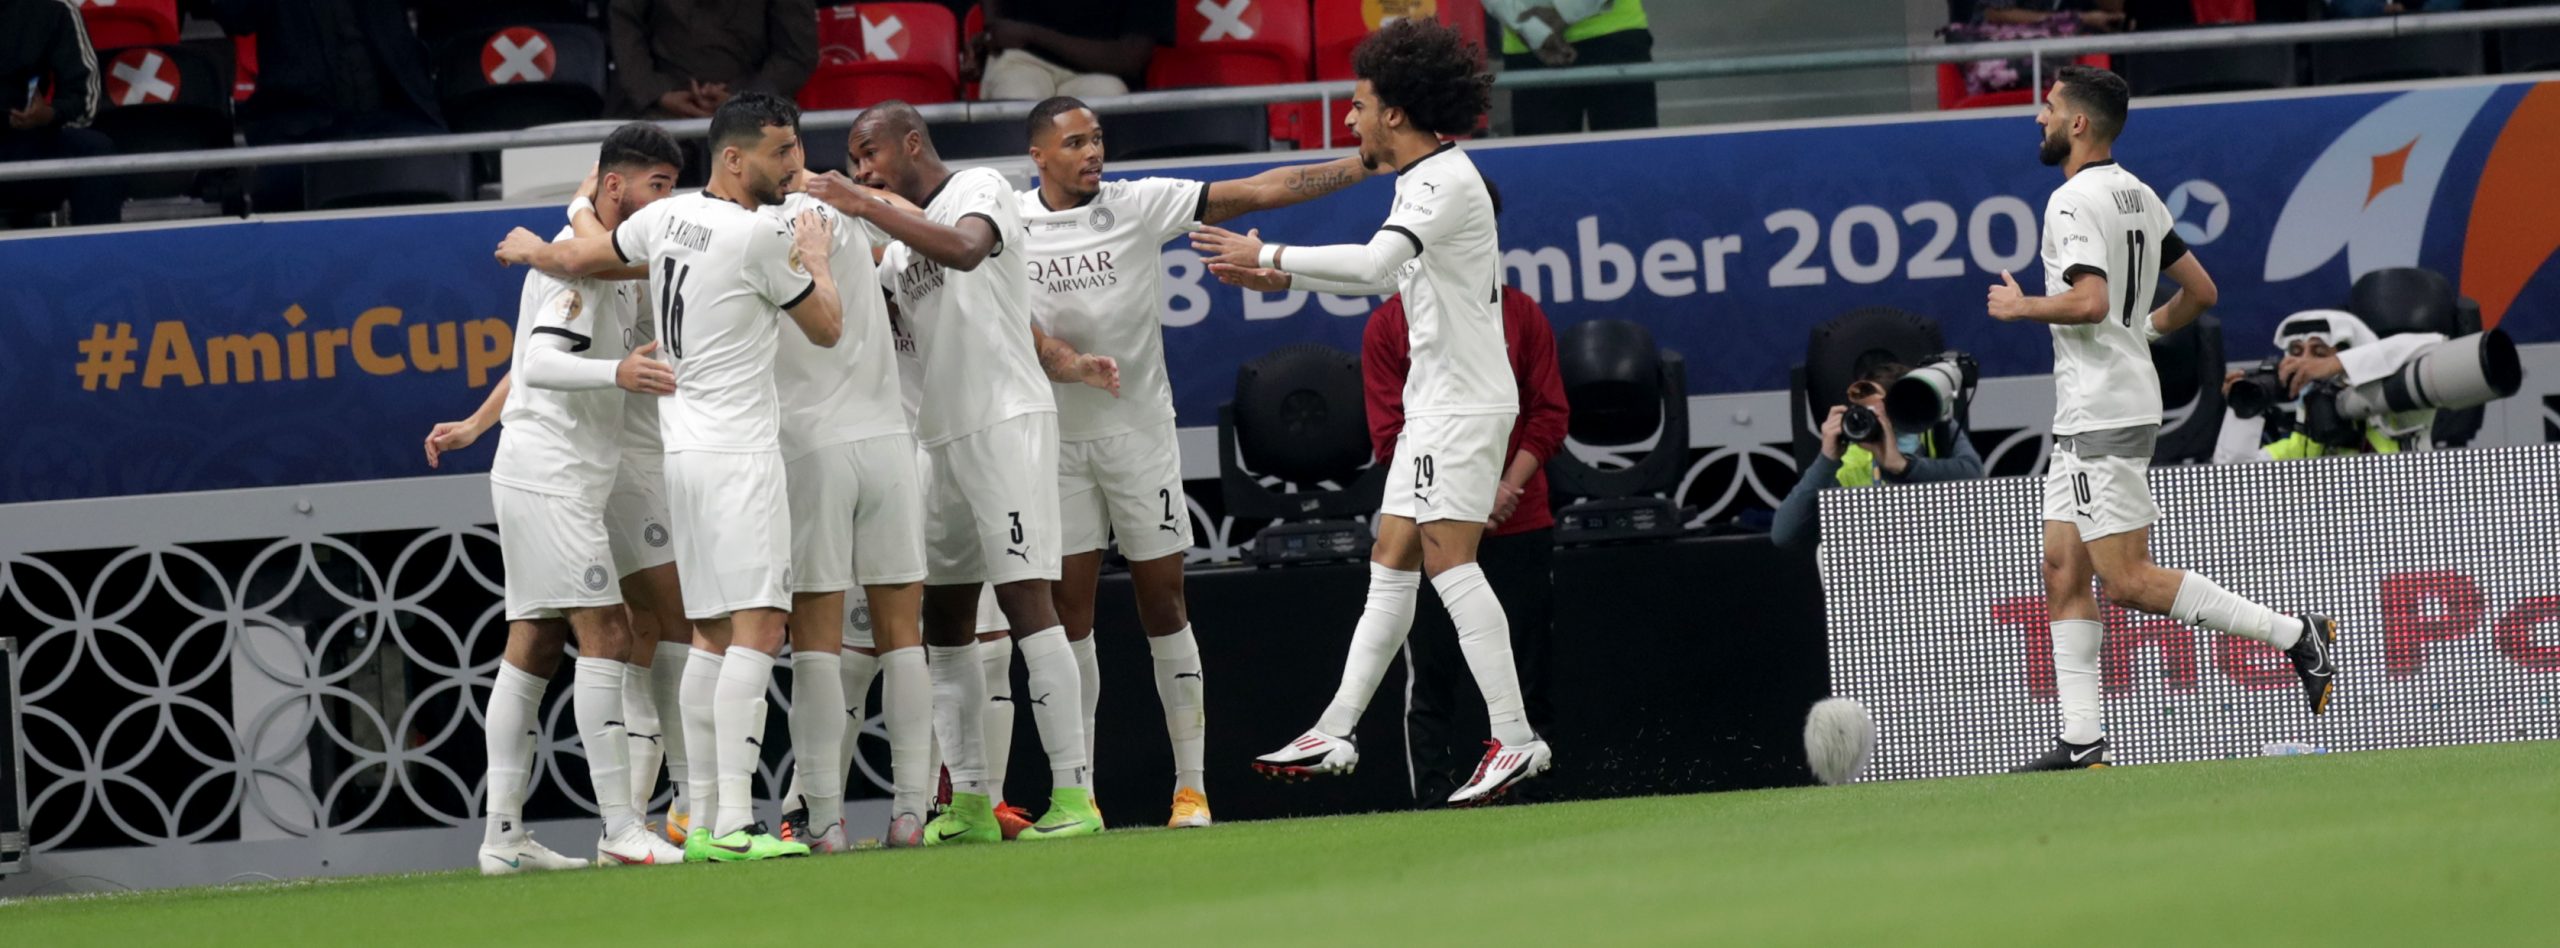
(555, 466)
(1418, 82)
(990, 425)
(2107, 242)
(1095, 252)
(722, 271)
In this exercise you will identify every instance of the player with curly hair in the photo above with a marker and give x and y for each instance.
(1418, 83)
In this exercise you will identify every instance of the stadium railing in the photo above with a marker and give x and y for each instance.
(2036, 51)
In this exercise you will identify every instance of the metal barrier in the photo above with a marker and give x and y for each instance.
(2035, 50)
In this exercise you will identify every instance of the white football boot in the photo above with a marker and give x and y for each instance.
(1502, 767)
(523, 855)
(1313, 754)
(906, 831)
(637, 846)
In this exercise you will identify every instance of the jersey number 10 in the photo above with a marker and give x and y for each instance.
(671, 305)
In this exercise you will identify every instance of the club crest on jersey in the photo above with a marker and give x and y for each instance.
(1103, 219)
(570, 305)
(654, 535)
(596, 578)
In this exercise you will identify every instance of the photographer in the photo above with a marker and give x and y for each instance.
(2316, 346)
(1939, 453)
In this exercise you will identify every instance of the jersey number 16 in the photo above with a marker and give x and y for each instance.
(671, 305)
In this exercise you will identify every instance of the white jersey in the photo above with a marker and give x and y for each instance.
(640, 434)
(723, 275)
(2106, 221)
(1452, 290)
(566, 444)
(847, 393)
(1097, 282)
(973, 329)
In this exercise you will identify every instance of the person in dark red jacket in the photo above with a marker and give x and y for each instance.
(1517, 555)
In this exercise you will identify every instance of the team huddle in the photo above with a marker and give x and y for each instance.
(968, 404)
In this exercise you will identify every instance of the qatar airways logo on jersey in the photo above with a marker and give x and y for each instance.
(920, 279)
(1080, 271)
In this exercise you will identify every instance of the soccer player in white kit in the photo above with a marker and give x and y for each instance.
(1417, 82)
(724, 273)
(857, 514)
(1096, 260)
(555, 466)
(2107, 242)
(990, 424)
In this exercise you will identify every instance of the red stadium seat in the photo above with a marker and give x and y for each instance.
(1238, 43)
(244, 67)
(1340, 25)
(1951, 94)
(873, 52)
(118, 23)
(2215, 12)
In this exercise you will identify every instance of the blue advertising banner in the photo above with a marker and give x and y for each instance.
(260, 353)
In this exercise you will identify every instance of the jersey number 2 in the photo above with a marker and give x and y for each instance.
(671, 306)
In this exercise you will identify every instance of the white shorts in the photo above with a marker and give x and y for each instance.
(1126, 487)
(554, 551)
(857, 516)
(1447, 467)
(635, 514)
(2102, 496)
(993, 508)
(733, 531)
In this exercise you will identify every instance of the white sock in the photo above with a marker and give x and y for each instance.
(698, 692)
(666, 694)
(1089, 687)
(514, 705)
(959, 697)
(996, 716)
(1053, 683)
(1186, 719)
(817, 734)
(2203, 603)
(1484, 636)
(854, 675)
(906, 704)
(2075, 677)
(595, 698)
(641, 733)
(737, 711)
(1374, 642)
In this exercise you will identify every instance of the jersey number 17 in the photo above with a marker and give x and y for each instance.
(2136, 250)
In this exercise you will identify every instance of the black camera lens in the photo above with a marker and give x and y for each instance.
(1858, 424)
(2259, 389)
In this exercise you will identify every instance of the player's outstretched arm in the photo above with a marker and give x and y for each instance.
(1281, 187)
(961, 246)
(568, 259)
(584, 223)
(457, 435)
(1359, 269)
(820, 314)
(2196, 294)
(2084, 303)
(1063, 364)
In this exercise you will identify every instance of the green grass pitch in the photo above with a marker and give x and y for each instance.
(2450, 846)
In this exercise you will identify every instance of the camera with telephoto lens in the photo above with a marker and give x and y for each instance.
(1929, 395)
(2457, 373)
(2260, 388)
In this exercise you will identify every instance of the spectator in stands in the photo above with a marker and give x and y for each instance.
(2098, 15)
(1559, 33)
(1034, 49)
(329, 70)
(1518, 551)
(2350, 9)
(49, 77)
(677, 59)
(1942, 453)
